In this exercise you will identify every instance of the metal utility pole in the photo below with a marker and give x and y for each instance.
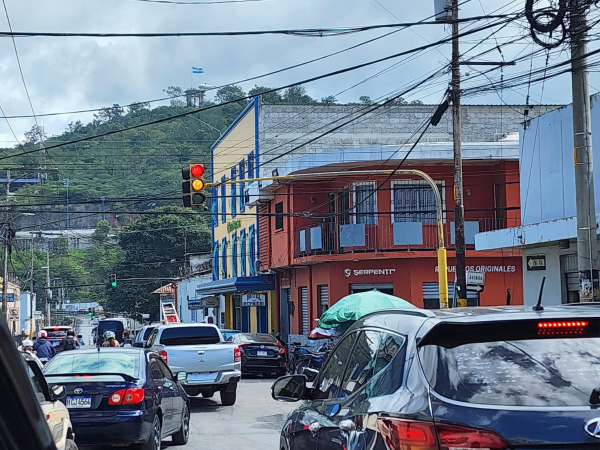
(31, 292)
(460, 279)
(66, 185)
(587, 245)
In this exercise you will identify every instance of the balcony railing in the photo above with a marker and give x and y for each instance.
(386, 236)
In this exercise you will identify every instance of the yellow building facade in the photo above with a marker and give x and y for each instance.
(250, 303)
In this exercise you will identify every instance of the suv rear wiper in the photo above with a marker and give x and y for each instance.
(95, 374)
(595, 397)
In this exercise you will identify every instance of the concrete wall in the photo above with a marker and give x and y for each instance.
(532, 279)
(547, 171)
(283, 127)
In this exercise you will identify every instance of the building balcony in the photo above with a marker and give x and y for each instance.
(386, 236)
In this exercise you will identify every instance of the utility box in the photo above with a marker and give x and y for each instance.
(443, 10)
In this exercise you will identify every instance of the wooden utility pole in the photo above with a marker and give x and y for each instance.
(6, 245)
(460, 279)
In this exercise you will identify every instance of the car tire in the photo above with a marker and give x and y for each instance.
(208, 394)
(156, 436)
(228, 398)
(183, 435)
(70, 445)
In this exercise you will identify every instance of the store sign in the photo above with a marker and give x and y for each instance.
(233, 225)
(536, 262)
(10, 298)
(210, 302)
(365, 272)
(194, 304)
(484, 269)
(13, 314)
(254, 299)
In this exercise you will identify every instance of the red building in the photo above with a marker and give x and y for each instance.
(325, 238)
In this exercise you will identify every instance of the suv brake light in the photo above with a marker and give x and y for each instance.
(401, 434)
(237, 354)
(281, 349)
(163, 354)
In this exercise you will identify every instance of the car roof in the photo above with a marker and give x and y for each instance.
(186, 325)
(128, 350)
(399, 318)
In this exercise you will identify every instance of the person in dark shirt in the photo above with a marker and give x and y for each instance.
(44, 349)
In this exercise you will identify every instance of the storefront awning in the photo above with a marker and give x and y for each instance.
(239, 284)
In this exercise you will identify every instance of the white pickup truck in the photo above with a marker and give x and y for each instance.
(199, 351)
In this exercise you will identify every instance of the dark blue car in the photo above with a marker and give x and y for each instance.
(119, 396)
(467, 378)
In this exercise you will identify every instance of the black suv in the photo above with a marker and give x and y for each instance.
(485, 378)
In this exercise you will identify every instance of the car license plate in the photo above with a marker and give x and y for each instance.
(201, 377)
(261, 353)
(79, 402)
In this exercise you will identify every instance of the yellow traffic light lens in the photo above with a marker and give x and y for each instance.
(197, 185)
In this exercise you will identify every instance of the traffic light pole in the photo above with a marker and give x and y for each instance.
(441, 252)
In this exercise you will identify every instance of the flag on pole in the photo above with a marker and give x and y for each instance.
(197, 70)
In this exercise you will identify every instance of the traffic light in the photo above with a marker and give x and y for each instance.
(90, 311)
(113, 280)
(193, 185)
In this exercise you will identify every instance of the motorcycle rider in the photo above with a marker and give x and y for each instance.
(110, 340)
(44, 349)
(70, 343)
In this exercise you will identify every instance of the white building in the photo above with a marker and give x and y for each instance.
(548, 231)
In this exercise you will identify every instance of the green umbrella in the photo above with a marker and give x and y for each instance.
(354, 306)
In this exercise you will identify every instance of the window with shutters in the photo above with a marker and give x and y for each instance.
(234, 256)
(243, 252)
(279, 216)
(250, 170)
(303, 296)
(323, 293)
(242, 189)
(223, 200)
(415, 201)
(233, 200)
(365, 202)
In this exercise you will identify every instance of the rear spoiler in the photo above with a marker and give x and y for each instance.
(452, 334)
(95, 374)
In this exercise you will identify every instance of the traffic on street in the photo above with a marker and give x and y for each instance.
(362, 225)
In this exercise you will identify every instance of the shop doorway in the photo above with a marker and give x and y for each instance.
(237, 312)
(386, 288)
(431, 295)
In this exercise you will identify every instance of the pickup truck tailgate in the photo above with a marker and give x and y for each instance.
(211, 358)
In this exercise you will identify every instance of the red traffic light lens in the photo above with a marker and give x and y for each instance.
(197, 170)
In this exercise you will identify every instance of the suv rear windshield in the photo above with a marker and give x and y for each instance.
(532, 372)
(111, 325)
(190, 336)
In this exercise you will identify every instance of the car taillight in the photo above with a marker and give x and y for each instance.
(401, 434)
(129, 396)
(281, 349)
(163, 354)
(237, 354)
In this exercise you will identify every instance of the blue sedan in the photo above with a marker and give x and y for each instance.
(118, 396)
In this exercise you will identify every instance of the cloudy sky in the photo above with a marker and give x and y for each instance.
(64, 74)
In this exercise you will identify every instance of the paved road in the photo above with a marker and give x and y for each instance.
(84, 327)
(253, 423)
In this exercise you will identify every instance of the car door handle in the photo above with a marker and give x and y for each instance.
(314, 427)
(347, 425)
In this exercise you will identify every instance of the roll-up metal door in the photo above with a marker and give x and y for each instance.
(304, 303)
(323, 297)
(431, 295)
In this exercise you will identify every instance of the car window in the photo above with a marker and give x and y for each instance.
(152, 337)
(165, 370)
(155, 371)
(91, 363)
(361, 363)
(190, 336)
(147, 332)
(554, 372)
(112, 325)
(388, 348)
(258, 339)
(329, 382)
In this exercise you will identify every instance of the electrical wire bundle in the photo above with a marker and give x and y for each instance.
(547, 21)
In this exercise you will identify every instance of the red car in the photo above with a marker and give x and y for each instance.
(57, 335)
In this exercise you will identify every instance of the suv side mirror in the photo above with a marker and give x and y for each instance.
(181, 376)
(58, 393)
(290, 388)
